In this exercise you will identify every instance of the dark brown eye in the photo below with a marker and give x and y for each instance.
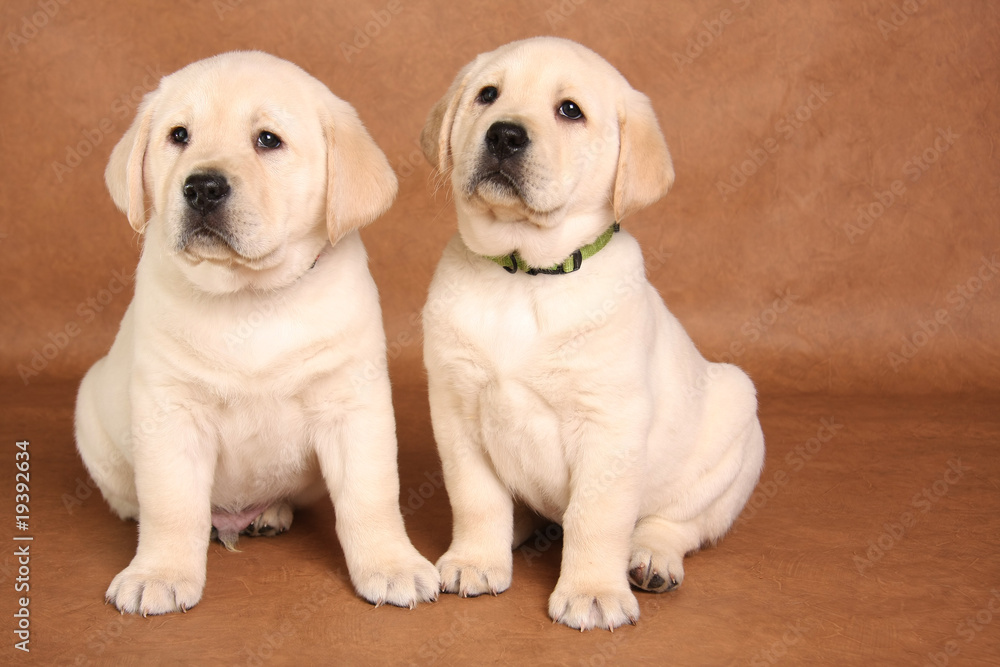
(488, 95)
(569, 109)
(179, 135)
(268, 140)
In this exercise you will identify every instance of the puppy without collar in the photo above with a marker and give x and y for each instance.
(557, 376)
(227, 396)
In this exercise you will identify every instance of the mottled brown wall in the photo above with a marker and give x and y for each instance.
(787, 120)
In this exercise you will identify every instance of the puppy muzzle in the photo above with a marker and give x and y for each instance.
(205, 220)
(500, 168)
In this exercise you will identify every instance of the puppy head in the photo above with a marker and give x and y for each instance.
(250, 167)
(547, 144)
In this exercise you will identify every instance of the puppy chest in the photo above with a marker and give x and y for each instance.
(522, 434)
(264, 452)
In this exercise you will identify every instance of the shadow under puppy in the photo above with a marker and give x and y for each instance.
(237, 384)
(557, 376)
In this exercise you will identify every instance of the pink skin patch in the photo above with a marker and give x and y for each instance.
(235, 522)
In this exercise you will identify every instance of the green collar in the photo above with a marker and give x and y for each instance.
(512, 262)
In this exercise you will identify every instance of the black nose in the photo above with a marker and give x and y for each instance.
(204, 191)
(504, 139)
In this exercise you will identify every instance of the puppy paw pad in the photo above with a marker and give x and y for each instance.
(401, 582)
(471, 577)
(655, 573)
(585, 610)
(151, 593)
(275, 520)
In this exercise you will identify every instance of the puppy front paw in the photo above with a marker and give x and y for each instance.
(401, 580)
(152, 590)
(471, 576)
(584, 609)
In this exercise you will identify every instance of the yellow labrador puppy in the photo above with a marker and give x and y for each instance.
(237, 384)
(557, 376)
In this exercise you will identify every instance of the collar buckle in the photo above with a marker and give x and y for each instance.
(512, 262)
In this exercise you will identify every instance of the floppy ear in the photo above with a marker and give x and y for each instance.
(435, 137)
(123, 174)
(645, 171)
(360, 184)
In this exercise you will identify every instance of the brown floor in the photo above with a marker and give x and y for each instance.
(872, 539)
(832, 230)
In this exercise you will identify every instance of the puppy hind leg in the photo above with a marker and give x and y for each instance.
(660, 542)
(117, 486)
(733, 430)
(658, 549)
(275, 520)
(720, 516)
(101, 455)
(254, 522)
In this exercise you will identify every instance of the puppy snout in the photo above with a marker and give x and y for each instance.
(205, 191)
(504, 139)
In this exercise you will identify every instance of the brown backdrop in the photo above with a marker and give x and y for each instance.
(833, 230)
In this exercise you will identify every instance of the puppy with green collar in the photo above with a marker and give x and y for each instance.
(558, 378)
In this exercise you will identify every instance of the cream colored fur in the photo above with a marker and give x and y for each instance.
(234, 381)
(579, 394)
